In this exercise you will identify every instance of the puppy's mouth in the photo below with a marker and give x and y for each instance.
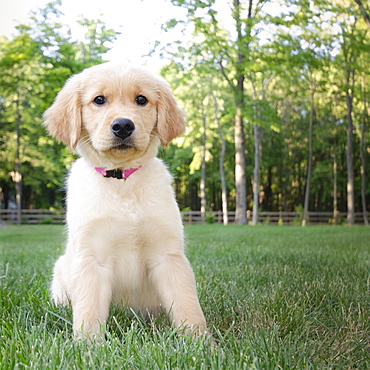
(122, 145)
(115, 147)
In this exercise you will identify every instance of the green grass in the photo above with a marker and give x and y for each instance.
(275, 297)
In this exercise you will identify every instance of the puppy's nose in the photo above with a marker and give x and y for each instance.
(122, 128)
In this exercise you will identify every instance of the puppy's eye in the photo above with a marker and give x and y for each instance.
(141, 100)
(100, 100)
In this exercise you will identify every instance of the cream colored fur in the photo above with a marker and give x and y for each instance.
(125, 237)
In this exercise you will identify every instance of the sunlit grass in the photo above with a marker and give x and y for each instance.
(275, 297)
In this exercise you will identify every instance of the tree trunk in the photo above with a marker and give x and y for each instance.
(335, 189)
(17, 178)
(362, 157)
(309, 165)
(288, 167)
(256, 172)
(257, 159)
(350, 173)
(203, 200)
(240, 178)
(222, 160)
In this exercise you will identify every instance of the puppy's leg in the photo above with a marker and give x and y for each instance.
(173, 278)
(91, 296)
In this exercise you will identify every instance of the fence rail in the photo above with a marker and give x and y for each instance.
(44, 216)
(33, 216)
(272, 218)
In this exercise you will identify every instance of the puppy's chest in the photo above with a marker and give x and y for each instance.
(110, 198)
(121, 200)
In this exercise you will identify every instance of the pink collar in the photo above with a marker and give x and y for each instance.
(116, 173)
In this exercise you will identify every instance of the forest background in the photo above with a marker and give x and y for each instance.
(277, 105)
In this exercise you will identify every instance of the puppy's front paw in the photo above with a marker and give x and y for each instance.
(89, 332)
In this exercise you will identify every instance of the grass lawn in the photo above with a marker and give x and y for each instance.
(275, 297)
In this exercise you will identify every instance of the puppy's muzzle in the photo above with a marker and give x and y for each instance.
(122, 128)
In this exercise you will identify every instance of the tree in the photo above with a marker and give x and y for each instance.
(203, 198)
(241, 48)
(364, 116)
(351, 43)
(364, 12)
(35, 65)
(225, 216)
(230, 57)
(310, 154)
(19, 63)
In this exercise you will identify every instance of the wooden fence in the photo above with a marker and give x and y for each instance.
(42, 216)
(272, 218)
(33, 216)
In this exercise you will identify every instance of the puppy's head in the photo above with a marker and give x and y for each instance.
(116, 110)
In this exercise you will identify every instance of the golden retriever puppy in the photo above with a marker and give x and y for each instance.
(125, 236)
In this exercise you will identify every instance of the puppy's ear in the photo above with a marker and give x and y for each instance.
(170, 117)
(63, 119)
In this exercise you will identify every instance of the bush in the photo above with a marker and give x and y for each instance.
(210, 219)
(47, 221)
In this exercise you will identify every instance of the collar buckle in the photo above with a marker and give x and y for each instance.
(116, 173)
